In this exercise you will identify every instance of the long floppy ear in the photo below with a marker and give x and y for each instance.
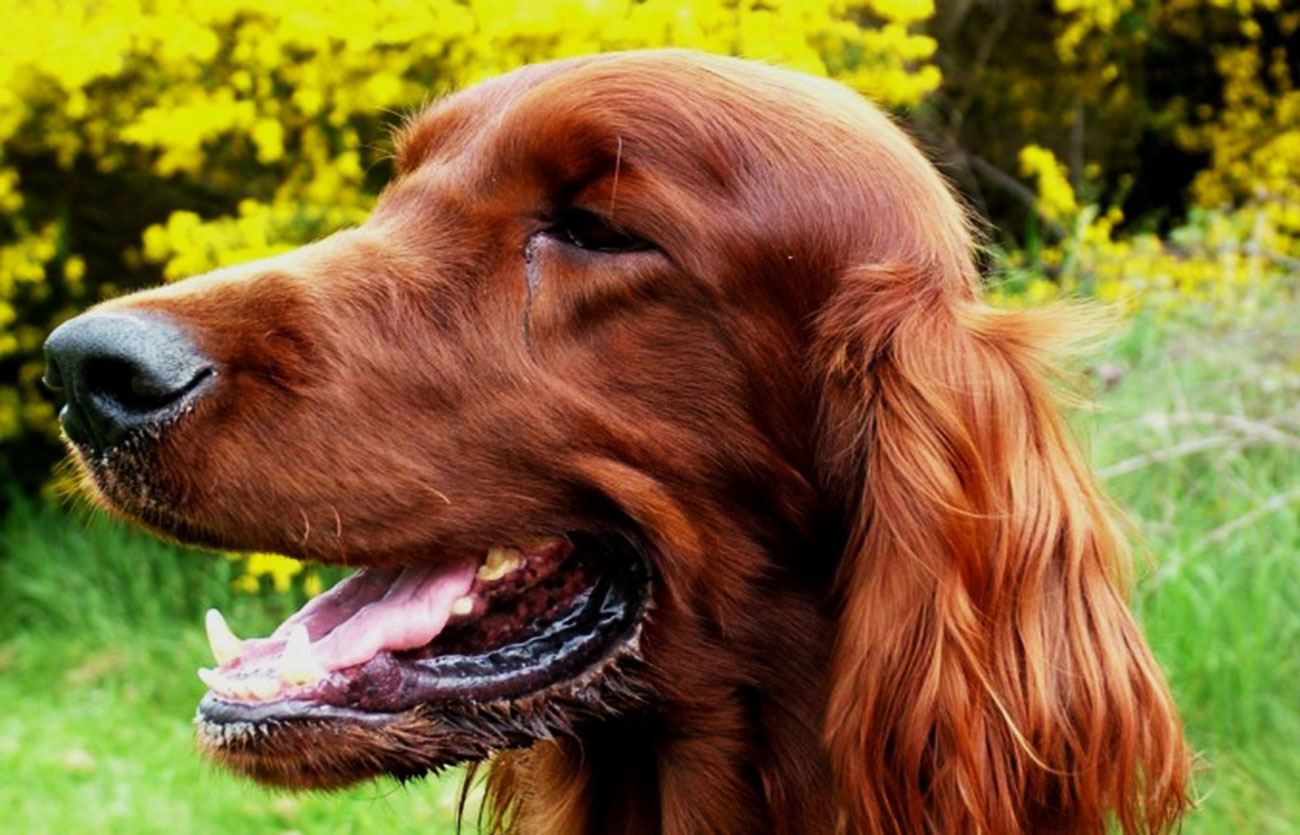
(987, 676)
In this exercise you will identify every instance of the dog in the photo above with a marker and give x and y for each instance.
(686, 475)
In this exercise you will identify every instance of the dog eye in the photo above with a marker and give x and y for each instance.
(587, 230)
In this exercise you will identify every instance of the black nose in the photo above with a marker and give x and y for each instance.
(121, 372)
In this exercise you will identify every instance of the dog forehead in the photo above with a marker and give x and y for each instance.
(658, 100)
(706, 152)
(668, 128)
(446, 124)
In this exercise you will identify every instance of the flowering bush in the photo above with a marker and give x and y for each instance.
(1230, 259)
(1250, 127)
(142, 139)
(1237, 242)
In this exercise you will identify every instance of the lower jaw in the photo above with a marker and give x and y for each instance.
(308, 745)
(410, 712)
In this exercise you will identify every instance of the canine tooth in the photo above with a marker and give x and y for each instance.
(297, 664)
(225, 644)
(212, 679)
(463, 605)
(499, 563)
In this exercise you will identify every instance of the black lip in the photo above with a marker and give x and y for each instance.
(594, 629)
(602, 622)
(214, 709)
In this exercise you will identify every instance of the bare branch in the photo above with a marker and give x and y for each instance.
(1221, 533)
(1182, 450)
(1265, 430)
(1015, 187)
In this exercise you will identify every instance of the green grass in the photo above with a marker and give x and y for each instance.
(1200, 443)
(96, 739)
(99, 639)
(1200, 437)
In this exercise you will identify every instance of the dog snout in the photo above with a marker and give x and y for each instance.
(121, 373)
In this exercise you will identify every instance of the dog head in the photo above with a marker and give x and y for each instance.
(656, 384)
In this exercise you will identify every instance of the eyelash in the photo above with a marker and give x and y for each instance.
(589, 231)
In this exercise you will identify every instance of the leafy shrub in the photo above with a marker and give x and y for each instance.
(143, 140)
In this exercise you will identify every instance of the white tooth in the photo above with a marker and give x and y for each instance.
(492, 562)
(212, 679)
(499, 563)
(297, 664)
(463, 605)
(226, 646)
(263, 689)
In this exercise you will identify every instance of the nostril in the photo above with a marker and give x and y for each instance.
(121, 372)
(136, 388)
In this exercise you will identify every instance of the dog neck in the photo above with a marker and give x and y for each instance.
(733, 748)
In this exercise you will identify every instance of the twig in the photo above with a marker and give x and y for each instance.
(1264, 430)
(1017, 189)
(1247, 432)
(1158, 456)
(1227, 529)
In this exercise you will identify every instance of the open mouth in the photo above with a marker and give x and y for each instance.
(543, 620)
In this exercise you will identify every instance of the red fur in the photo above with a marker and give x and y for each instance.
(888, 593)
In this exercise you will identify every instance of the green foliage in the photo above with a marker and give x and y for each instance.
(96, 737)
(1154, 105)
(87, 575)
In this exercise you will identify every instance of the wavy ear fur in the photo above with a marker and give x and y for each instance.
(987, 675)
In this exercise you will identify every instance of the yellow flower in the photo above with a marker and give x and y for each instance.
(74, 268)
(1055, 196)
(246, 583)
(280, 569)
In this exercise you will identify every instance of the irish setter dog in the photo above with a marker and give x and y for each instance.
(686, 474)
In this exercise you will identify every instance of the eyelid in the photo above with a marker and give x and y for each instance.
(591, 231)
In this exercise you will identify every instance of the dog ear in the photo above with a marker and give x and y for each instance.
(986, 674)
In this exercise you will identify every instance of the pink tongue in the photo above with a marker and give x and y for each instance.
(379, 610)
